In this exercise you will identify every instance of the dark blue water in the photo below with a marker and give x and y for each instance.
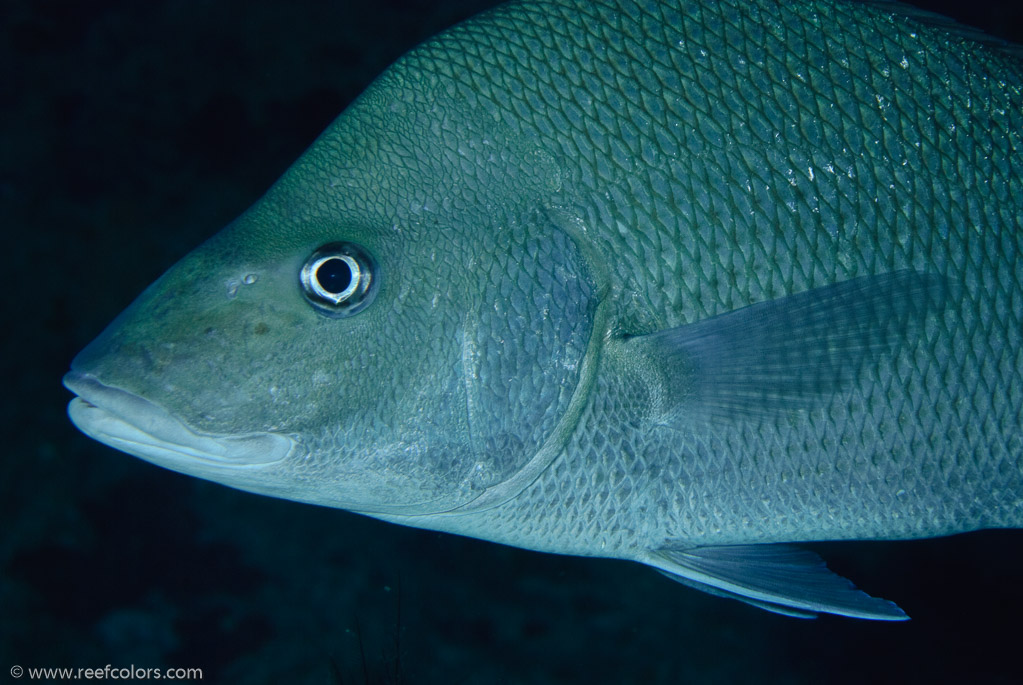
(133, 130)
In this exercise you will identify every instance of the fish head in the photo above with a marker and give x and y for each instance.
(367, 336)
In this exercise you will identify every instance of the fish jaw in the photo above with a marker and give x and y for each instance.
(133, 424)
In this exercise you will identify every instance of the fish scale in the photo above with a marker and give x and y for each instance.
(801, 244)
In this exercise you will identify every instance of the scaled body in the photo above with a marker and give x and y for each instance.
(659, 280)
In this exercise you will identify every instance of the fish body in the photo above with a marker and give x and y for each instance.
(673, 281)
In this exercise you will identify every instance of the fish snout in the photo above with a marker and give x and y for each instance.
(131, 423)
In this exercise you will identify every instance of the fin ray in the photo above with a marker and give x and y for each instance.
(779, 578)
(791, 352)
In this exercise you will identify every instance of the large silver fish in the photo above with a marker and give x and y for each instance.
(677, 281)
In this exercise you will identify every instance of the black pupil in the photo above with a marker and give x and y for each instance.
(334, 275)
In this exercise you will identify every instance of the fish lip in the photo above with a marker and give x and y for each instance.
(133, 424)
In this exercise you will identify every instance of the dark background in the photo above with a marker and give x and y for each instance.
(130, 132)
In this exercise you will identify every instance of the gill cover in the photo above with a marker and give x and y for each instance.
(528, 353)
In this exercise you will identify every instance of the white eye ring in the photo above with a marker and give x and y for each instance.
(317, 279)
(339, 279)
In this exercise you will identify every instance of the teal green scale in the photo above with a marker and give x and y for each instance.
(718, 155)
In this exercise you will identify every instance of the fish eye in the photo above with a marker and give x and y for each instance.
(339, 279)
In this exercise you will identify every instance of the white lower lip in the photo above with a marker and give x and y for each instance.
(142, 428)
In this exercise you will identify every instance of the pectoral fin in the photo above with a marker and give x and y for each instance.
(779, 578)
(791, 352)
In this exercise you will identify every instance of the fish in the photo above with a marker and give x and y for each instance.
(680, 282)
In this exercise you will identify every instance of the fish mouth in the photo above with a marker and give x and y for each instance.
(133, 424)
